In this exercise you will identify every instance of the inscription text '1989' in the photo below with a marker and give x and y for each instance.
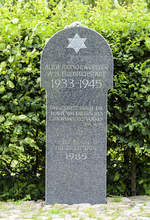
(76, 156)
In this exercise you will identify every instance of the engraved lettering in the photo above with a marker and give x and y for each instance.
(70, 83)
(76, 156)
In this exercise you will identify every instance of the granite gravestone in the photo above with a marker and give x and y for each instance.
(76, 72)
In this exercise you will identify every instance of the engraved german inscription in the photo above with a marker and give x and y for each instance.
(76, 113)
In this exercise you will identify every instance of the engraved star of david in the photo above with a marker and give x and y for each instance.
(76, 43)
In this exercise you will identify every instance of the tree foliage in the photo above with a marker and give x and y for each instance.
(25, 28)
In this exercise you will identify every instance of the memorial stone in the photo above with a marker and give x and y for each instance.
(76, 72)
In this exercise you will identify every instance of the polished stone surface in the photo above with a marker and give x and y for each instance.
(76, 71)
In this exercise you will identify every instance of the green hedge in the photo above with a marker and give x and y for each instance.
(25, 28)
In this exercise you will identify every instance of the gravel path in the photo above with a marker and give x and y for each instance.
(117, 208)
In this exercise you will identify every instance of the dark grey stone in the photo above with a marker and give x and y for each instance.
(76, 71)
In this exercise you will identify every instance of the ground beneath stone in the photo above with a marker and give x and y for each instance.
(117, 208)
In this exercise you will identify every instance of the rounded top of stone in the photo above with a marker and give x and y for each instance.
(77, 50)
(75, 24)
